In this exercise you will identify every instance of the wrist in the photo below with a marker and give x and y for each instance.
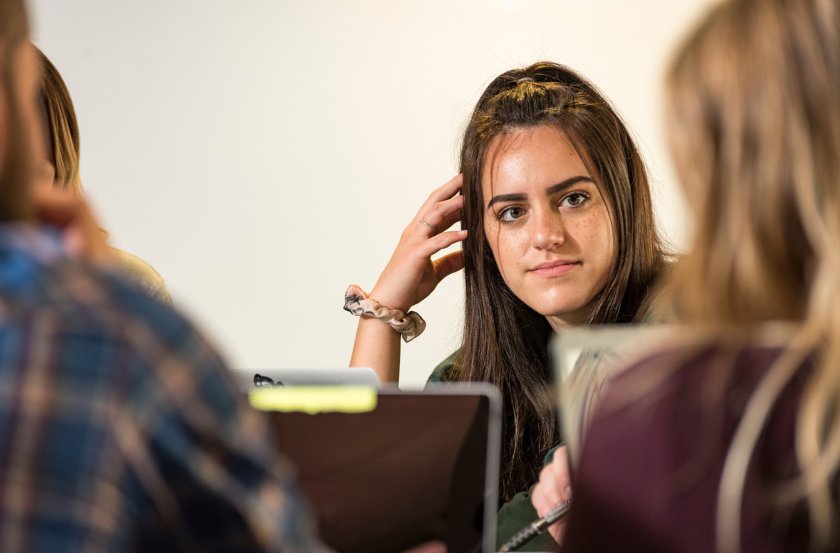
(408, 325)
(382, 328)
(392, 300)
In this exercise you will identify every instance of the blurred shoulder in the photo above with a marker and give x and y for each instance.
(142, 274)
(682, 354)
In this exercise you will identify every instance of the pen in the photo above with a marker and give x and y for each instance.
(535, 528)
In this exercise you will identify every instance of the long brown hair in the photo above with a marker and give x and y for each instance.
(505, 340)
(15, 171)
(62, 128)
(754, 112)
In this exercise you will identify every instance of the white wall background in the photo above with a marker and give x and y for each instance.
(263, 154)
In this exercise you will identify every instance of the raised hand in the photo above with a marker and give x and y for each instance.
(411, 274)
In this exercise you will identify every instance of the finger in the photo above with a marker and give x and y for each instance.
(543, 499)
(448, 190)
(451, 214)
(440, 241)
(560, 467)
(557, 530)
(549, 490)
(538, 500)
(448, 264)
(441, 215)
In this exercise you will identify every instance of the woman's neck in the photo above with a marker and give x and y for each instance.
(558, 323)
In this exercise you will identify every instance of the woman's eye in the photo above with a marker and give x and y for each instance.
(575, 199)
(512, 213)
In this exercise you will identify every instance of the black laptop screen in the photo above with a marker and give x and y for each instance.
(417, 468)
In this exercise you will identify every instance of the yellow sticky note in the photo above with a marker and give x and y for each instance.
(314, 399)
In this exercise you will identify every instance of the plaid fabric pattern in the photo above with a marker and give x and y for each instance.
(120, 428)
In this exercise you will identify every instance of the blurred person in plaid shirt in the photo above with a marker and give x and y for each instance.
(120, 428)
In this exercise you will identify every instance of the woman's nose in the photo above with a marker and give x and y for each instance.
(548, 231)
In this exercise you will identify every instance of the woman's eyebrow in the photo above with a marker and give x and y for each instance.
(506, 198)
(553, 189)
(559, 187)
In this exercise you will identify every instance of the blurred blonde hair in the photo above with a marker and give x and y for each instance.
(61, 126)
(754, 124)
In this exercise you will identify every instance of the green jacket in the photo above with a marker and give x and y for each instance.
(517, 513)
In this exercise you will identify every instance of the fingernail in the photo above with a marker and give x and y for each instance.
(567, 493)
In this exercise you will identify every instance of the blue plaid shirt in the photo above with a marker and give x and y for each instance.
(120, 428)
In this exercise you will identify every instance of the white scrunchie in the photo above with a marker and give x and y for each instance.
(410, 325)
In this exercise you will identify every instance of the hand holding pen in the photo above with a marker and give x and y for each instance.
(551, 498)
(553, 490)
(536, 528)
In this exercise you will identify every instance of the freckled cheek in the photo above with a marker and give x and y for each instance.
(595, 231)
(508, 248)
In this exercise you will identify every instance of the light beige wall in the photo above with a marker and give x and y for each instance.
(263, 154)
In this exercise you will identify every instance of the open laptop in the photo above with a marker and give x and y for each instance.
(401, 469)
(585, 358)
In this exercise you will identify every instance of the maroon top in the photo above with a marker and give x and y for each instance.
(649, 471)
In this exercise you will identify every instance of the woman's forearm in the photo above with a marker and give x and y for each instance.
(377, 346)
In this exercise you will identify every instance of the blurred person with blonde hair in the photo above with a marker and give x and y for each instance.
(121, 428)
(728, 438)
(61, 169)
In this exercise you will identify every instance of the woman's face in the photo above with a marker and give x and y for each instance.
(546, 223)
(45, 175)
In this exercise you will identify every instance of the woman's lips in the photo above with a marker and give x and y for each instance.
(555, 268)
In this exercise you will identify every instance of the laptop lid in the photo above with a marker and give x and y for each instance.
(406, 469)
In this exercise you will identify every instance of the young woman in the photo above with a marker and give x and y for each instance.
(61, 169)
(730, 440)
(557, 230)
